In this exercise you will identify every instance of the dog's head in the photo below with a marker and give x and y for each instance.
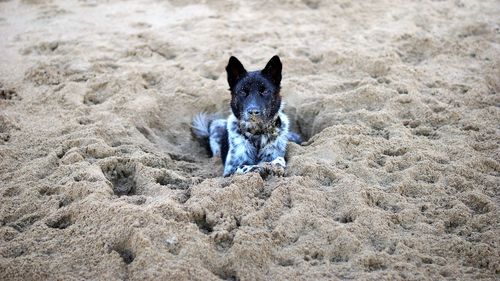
(255, 95)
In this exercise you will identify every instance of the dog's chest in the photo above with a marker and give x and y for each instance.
(260, 141)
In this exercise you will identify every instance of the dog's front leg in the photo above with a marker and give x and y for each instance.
(273, 157)
(240, 157)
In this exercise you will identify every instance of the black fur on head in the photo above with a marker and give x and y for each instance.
(255, 95)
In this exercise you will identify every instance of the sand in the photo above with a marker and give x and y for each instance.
(101, 178)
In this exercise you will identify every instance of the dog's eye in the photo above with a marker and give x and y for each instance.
(262, 90)
(244, 92)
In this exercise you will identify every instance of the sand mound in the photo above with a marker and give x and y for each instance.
(101, 178)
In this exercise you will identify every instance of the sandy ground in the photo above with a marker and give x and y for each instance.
(101, 179)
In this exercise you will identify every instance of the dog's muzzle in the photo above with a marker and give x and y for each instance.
(253, 114)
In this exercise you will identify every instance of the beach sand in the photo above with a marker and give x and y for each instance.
(102, 179)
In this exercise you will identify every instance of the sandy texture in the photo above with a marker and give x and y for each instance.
(100, 177)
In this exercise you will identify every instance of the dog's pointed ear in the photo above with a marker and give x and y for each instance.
(273, 70)
(235, 71)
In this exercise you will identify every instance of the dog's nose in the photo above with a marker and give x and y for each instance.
(253, 111)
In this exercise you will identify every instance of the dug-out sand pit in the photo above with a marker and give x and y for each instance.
(101, 178)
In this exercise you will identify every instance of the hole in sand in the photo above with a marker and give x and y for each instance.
(478, 204)
(223, 242)
(395, 151)
(11, 192)
(24, 223)
(122, 177)
(345, 219)
(65, 201)
(427, 178)
(203, 224)
(426, 132)
(427, 260)
(172, 180)
(286, 262)
(470, 128)
(184, 197)
(84, 121)
(7, 94)
(314, 257)
(451, 225)
(15, 252)
(339, 258)
(146, 133)
(126, 254)
(124, 250)
(61, 223)
(92, 98)
(48, 190)
(298, 122)
(101, 91)
(182, 157)
(4, 137)
(380, 160)
(373, 264)
(229, 275)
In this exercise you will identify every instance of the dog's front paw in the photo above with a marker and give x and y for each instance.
(278, 170)
(249, 169)
(275, 167)
(279, 166)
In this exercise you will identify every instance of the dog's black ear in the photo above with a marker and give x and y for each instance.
(273, 70)
(235, 71)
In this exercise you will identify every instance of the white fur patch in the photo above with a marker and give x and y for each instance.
(280, 161)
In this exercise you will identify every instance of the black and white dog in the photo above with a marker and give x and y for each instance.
(255, 136)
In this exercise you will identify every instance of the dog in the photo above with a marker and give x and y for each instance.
(254, 137)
